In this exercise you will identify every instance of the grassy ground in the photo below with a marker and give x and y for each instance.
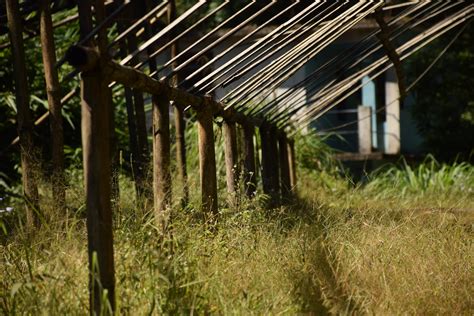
(400, 244)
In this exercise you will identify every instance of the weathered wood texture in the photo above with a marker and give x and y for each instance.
(24, 121)
(249, 172)
(231, 156)
(95, 124)
(161, 160)
(207, 163)
(284, 167)
(54, 102)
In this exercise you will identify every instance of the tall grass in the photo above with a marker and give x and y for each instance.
(340, 249)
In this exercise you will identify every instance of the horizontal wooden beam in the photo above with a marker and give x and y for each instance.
(87, 58)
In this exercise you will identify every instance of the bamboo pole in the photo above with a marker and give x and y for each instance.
(161, 160)
(54, 101)
(96, 158)
(249, 174)
(231, 157)
(25, 124)
(284, 167)
(207, 162)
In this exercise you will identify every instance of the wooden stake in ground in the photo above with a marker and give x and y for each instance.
(231, 156)
(270, 169)
(25, 124)
(284, 167)
(250, 176)
(207, 161)
(54, 101)
(95, 123)
(161, 160)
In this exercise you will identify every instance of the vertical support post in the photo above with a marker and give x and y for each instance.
(231, 159)
(95, 123)
(249, 173)
(364, 115)
(392, 95)
(207, 160)
(161, 160)
(179, 122)
(275, 175)
(54, 101)
(25, 124)
(266, 159)
(292, 164)
(284, 167)
(270, 172)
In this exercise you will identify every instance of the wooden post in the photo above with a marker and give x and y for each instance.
(161, 160)
(54, 101)
(364, 126)
(292, 164)
(270, 172)
(25, 124)
(250, 175)
(207, 161)
(266, 159)
(179, 122)
(275, 174)
(96, 159)
(142, 159)
(284, 167)
(231, 159)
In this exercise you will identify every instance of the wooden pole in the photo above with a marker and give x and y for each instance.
(54, 101)
(266, 159)
(161, 160)
(292, 164)
(179, 122)
(96, 159)
(231, 157)
(284, 167)
(142, 158)
(25, 124)
(275, 169)
(250, 176)
(207, 161)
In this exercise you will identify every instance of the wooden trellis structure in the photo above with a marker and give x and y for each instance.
(304, 29)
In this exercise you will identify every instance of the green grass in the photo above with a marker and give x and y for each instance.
(393, 246)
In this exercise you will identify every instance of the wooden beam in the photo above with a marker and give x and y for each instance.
(25, 124)
(161, 161)
(231, 158)
(207, 162)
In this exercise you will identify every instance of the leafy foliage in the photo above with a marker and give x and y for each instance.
(444, 99)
